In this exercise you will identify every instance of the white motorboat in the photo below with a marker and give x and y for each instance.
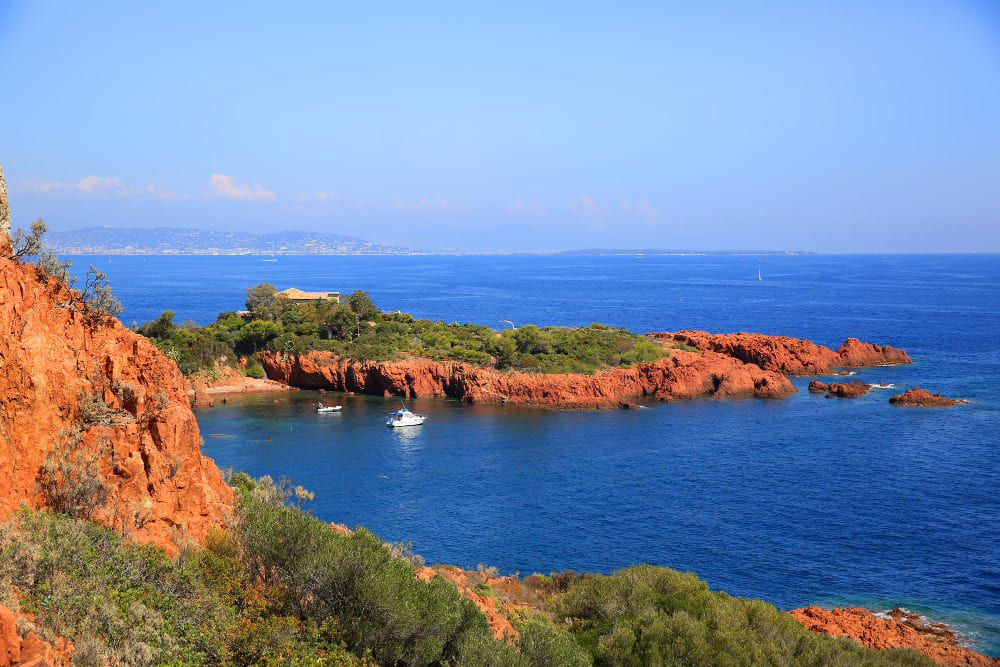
(404, 417)
(328, 408)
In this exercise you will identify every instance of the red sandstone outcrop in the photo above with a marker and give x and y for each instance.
(855, 353)
(65, 377)
(681, 375)
(496, 612)
(787, 355)
(29, 650)
(920, 396)
(840, 389)
(880, 633)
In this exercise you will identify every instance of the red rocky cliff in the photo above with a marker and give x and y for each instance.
(65, 377)
(681, 375)
(787, 355)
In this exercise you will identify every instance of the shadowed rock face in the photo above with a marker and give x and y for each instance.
(900, 631)
(65, 376)
(787, 355)
(920, 396)
(682, 375)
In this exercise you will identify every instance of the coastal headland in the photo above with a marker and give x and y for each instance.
(738, 365)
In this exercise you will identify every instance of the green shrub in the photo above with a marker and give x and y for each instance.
(648, 615)
(254, 370)
(543, 645)
(380, 606)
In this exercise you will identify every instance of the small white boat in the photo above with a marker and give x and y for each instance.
(404, 417)
(328, 408)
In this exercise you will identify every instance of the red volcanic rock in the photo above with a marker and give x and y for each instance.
(787, 355)
(856, 353)
(681, 375)
(840, 389)
(30, 650)
(63, 373)
(10, 642)
(873, 631)
(920, 396)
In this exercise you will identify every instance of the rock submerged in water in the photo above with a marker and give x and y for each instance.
(920, 396)
(840, 389)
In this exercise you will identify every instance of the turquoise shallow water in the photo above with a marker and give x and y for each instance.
(798, 501)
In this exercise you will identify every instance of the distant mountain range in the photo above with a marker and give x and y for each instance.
(169, 241)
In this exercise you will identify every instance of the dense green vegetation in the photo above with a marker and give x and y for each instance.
(282, 587)
(356, 328)
(647, 615)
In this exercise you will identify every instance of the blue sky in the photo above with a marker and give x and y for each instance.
(826, 126)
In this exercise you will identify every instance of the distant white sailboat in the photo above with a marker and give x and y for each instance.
(758, 275)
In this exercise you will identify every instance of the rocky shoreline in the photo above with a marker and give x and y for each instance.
(897, 629)
(697, 365)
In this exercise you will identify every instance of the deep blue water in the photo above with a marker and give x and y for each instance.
(797, 501)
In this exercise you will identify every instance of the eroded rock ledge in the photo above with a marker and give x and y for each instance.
(900, 631)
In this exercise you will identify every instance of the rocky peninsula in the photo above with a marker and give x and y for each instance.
(696, 364)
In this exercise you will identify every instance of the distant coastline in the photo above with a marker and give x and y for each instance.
(171, 241)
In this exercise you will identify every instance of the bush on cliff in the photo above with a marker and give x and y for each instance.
(356, 329)
(378, 603)
(129, 604)
(647, 615)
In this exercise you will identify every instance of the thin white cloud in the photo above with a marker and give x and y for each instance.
(433, 204)
(100, 185)
(587, 204)
(520, 207)
(38, 185)
(226, 187)
(641, 208)
(318, 196)
(157, 192)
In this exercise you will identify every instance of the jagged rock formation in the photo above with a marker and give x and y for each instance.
(90, 392)
(787, 355)
(681, 375)
(902, 631)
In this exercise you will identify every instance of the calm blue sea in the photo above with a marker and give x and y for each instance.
(797, 501)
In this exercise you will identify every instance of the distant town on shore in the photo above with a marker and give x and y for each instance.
(175, 241)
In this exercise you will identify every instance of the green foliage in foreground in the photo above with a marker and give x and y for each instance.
(356, 328)
(284, 588)
(647, 615)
